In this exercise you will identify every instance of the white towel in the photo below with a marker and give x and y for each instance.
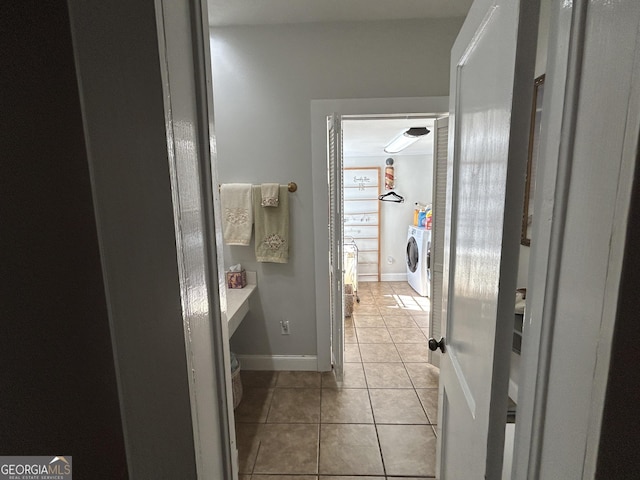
(237, 213)
(270, 196)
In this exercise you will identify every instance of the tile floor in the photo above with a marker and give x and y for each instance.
(379, 424)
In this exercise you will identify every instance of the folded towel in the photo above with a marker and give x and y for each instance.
(272, 228)
(237, 213)
(269, 194)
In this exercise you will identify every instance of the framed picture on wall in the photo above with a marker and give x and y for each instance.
(532, 162)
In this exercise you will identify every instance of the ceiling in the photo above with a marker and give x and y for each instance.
(275, 12)
(367, 138)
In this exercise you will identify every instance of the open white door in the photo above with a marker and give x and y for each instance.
(491, 85)
(439, 195)
(336, 214)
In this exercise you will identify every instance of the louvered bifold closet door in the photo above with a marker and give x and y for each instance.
(437, 239)
(336, 214)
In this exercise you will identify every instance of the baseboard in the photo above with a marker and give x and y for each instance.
(308, 363)
(393, 277)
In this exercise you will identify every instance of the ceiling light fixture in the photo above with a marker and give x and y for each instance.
(405, 139)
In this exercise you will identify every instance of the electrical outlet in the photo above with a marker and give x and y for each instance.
(284, 327)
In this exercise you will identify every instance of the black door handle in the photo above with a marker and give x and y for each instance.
(435, 345)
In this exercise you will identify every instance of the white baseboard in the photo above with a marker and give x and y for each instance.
(308, 363)
(393, 277)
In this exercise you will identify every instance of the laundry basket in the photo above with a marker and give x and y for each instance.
(348, 300)
(350, 266)
(236, 381)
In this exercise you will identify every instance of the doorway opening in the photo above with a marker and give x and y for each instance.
(380, 234)
(379, 303)
(384, 318)
(379, 228)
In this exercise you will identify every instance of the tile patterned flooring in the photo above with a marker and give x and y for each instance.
(379, 424)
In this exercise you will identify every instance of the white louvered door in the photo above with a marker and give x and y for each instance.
(336, 214)
(440, 141)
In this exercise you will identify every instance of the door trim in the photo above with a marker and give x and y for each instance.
(185, 67)
(549, 287)
(578, 58)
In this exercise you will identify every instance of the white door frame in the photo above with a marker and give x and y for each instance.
(575, 264)
(185, 65)
(320, 110)
(147, 116)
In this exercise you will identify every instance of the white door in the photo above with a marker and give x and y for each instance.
(336, 215)
(491, 82)
(439, 195)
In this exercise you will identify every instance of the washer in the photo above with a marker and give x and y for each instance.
(418, 260)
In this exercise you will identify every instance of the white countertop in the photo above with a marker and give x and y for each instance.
(238, 302)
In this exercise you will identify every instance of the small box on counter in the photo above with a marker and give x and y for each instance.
(237, 279)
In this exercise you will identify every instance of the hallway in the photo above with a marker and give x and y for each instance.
(380, 423)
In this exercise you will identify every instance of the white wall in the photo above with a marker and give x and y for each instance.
(264, 80)
(413, 180)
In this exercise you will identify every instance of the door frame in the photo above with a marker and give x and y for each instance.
(185, 68)
(148, 122)
(320, 110)
(561, 401)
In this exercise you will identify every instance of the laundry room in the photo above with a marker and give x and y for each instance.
(388, 180)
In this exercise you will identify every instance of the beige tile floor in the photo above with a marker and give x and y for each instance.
(379, 424)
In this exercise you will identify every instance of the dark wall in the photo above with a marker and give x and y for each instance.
(58, 391)
(118, 61)
(620, 436)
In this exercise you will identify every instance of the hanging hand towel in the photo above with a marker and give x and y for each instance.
(237, 213)
(269, 193)
(272, 228)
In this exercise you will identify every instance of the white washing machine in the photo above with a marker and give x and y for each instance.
(418, 260)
